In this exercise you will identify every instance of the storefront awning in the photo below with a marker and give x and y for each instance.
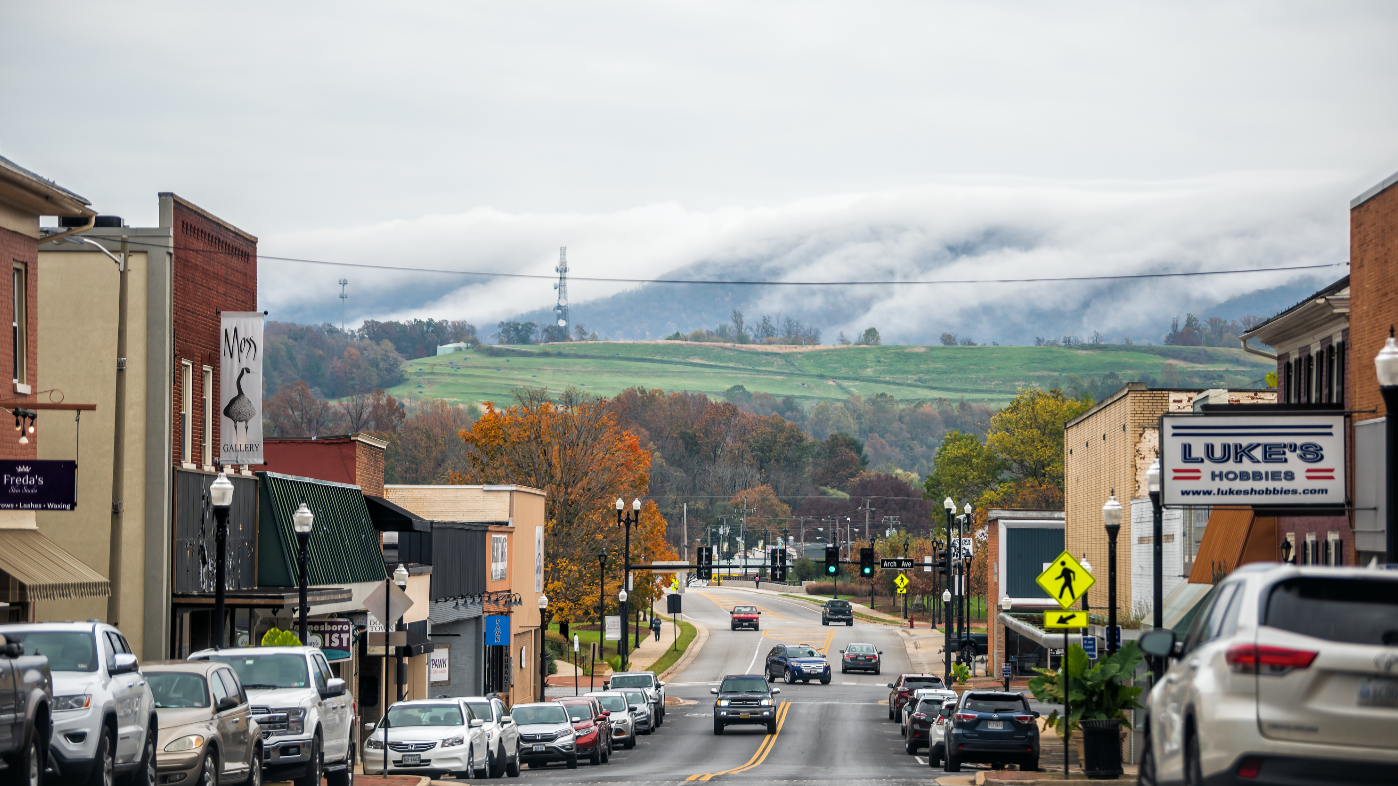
(388, 517)
(344, 546)
(44, 571)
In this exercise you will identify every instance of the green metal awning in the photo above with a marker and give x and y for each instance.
(344, 547)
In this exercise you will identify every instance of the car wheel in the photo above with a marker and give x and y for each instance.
(572, 762)
(824, 680)
(951, 764)
(844, 670)
(343, 777)
(28, 770)
(1193, 770)
(876, 670)
(790, 678)
(606, 753)
(824, 621)
(1145, 771)
(145, 774)
(1032, 765)
(732, 627)
(495, 763)
(103, 768)
(208, 774)
(512, 767)
(718, 727)
(469, 772)
(315, 769)
(934, 758)
(255, 771)
(631, 741)
(771, 727)
(850, 623)
(911, 747)
(595, 759)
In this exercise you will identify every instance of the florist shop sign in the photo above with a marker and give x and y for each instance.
(38, 485)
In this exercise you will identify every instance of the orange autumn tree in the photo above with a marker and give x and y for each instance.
(573, 450)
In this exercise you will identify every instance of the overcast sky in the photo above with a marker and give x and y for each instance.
(649, 136)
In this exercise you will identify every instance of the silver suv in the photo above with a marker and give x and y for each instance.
(104, 720)
(1287, 675)
(645, 681)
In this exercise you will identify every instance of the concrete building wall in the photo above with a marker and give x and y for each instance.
(1373, 259)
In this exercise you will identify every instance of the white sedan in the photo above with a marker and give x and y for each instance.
(431, 737)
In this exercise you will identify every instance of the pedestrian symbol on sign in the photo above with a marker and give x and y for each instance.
(1065, 580)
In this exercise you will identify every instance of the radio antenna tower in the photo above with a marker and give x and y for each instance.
(561, 310)
(343, 283)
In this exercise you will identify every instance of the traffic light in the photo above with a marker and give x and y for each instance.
(866, 561)
(777, 564)
(939, 561)
(832, 560)
(706, 563)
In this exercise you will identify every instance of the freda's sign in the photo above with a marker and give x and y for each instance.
(38, 485)
(1260, 460)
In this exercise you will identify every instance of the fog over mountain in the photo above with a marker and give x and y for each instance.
(943, 231)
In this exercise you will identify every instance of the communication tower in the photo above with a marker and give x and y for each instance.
(343, 282)
(561, 310)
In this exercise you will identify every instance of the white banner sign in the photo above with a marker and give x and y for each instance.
(613, 632)
(1274, 459)
(438, 661)
(538, 559)
(240, 388)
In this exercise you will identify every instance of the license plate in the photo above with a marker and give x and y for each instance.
(412, 759)
(745, 715)
(1378, 693)
(995, 725)
(538, 749)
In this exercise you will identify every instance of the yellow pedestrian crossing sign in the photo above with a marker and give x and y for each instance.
(901, 581)
(1065, 580)
(1065, 619)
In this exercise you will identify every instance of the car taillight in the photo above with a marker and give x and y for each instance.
(1261, 659)
(920, 715)
(1024, 718)
(967, 716)
(1250, 767)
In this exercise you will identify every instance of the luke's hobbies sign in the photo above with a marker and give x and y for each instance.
(1258, 460)
(38, 485)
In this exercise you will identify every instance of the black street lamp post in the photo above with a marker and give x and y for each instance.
(601, 611)
(946, 648)
(1386, 364)
(965, 584)
(221, 497)
(302, 521)
(1157, 556)
(950, 596)
(627, 520)
(400, 577)
(543, 628)
(1111, 520)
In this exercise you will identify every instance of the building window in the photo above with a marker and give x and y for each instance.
(1312, 557)
(208, 440)
(19, 314)
(1340, 372)
(1333, 549)
(1330, 374)
(186, 389)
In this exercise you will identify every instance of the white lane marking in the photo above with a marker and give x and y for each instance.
(755, 653)
(849, 683)
(921, 760)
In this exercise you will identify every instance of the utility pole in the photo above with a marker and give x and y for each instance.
(343, 283)
(684, 531)
(867, 511)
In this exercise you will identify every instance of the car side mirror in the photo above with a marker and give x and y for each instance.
(606, 713)
(505, 719)
(227, 703)
(714, 691)
(607, 685)
(11, 649)
(1035, 713)
(370, 726)
(1159, 643)
(775, 691)
(890, 685)
(880, 652)
(124, 663)
(661, 684)
(476, 723)
(333, 687)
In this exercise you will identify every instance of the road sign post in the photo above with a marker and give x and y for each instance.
(1070, 579)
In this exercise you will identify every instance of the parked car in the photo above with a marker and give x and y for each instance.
(207, 734)
(836, 611)
(1286, 673)
(971, 644)
(797, 662)
(545, 734)
(502, 734)
(622, 721)
(104, 720)
(898, 692)
(910, 706)
(745, 698)
(591, 728)
(430, 737)
(646, 681)
(25, 681)
(992, 727)
(317, 736)
(861, 657)
(744, 617)
(937, 733)
(640, 709)
(924, 713)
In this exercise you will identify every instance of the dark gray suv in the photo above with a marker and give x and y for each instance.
(836, 611)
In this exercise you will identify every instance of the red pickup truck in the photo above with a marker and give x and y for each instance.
(743, 617)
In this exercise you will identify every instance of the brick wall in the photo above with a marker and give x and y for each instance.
(1373, 260)
(15, 247)
(215, 269)
(369, 460)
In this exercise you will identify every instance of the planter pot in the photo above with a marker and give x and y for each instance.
(1101, 748)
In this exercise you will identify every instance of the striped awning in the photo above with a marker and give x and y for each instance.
(43, 571)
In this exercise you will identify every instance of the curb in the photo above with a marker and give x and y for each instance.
(701, 635)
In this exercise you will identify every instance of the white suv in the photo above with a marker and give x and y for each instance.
(307, 720)
(104, 720)
(1288, 675)
(502, 735)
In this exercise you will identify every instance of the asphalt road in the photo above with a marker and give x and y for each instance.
(836, 733)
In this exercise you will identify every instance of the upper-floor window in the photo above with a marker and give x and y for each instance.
(186, 404)
(19, 313)
(207, 399)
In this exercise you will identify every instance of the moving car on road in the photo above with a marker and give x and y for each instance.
(592, 732)
(207, 735)
(836, 611)
(861, 657)
(992, 727)
(745, 698)
(1286, 673)
(918, 695)
(623, 723)
(646, 681)
(431, 737)
(797, 662)
(900, 691)
(545, 734)
(744, 617)
(501, 733)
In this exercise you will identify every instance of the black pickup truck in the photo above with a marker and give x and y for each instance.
(26, 693)
(976, 643)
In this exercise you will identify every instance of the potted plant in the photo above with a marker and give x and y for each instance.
(1099, 698)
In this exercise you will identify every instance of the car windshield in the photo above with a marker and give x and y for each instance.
(861, 649)
(177, 690)
(405, 715)
(743, 685)
(539, 713)
(996, 704)
(635, 697)
(613, 703)
(67, 650)
(801, 652)
(633, 681)
(1353, 611)
(929, 706)
(481, 709)
(913, 683)
(578, 712)
(837, 604)
(270, 670)
(744, 609)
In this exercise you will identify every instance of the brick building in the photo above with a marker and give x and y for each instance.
(357, 459)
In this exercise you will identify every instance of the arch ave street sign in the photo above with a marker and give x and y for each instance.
(1065, 580)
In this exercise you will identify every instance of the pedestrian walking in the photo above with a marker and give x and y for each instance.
(655, 626)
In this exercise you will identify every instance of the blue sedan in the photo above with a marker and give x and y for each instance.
(797, 662)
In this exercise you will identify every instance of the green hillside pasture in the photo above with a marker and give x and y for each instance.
(983, 374)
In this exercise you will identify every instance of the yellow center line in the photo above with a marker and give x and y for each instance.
(757, 758)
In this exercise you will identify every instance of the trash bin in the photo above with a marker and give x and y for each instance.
(1101, 743)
